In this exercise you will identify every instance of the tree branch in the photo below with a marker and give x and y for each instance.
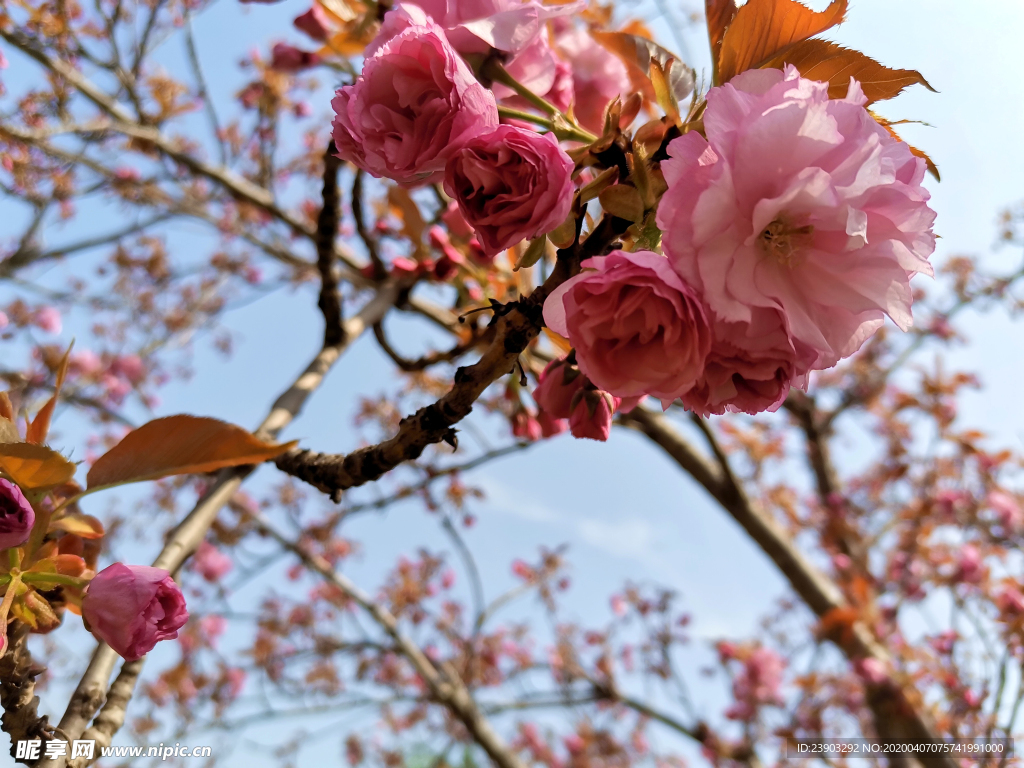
(444, 684)
(517, 324)
(326, 230)
(895, 717)
(183, 541)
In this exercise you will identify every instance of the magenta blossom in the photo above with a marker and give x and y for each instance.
(637, 327)
(16, 516)
(798, 203)
(511, 185)
(415, 103)
(133, 607)
(288, 58)
(314, 23)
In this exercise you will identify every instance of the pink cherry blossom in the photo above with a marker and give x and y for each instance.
(511, 185)
(314, 22)
(598, 76)
(1006, 508)
(48, 320)
(970, 565)
(133, 607)
(211, 563)
(557, 384)
(592, 412)
(751, 366)
(799, 203)
(415, 103)
(288, 58)
(637, 327)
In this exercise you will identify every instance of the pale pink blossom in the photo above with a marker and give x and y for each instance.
(970, 567)
(415, 103)
(797, 203)
(85, 363)
(511, 185)
(48, 319)
(871, 671)
(210, 563)
(637, 327)
(133, 607)
(757, 684)
(598, 75)
(4, 320)
(1006, 508)
(477, 26)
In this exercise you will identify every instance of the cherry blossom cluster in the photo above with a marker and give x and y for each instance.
(790, 230)
(791, 225)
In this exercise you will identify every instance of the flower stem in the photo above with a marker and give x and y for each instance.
(53, 578)
(563, 132)
(563, 127)
(5, 608)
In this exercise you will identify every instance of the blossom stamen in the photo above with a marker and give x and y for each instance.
(781, 240)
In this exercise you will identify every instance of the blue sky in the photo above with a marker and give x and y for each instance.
(626, 511)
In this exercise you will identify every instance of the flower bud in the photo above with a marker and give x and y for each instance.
(133, 607)
(557, 384)
(16, 516)
(591, 415)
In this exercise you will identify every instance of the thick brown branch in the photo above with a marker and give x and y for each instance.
(369, 238)
(326, 230)
(516, 326)
(426, 361)
(183, 541)
(21, 720)
(894, 715)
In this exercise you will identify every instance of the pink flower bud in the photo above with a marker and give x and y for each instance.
(556, 386)
(970, 567)
(133, 607)
(591, 415)
(288, 58)
(526, 426)
(314, 23)
(16, 516)
(1007, 509)
(550, 426)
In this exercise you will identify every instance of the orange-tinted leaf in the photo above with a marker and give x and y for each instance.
(637, 53)
(405, 208)
(828, 62)
(719, 14)
(8, 432)
(179, 445)
(762, 29)
(69, 565)
(561, 343)
(34, 466)
(933, 169)
(6, 409)
(83, 526)
(660, 79)
(40, 425)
